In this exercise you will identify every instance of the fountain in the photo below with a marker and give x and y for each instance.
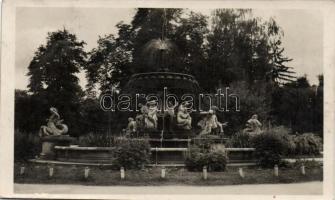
(166, 125)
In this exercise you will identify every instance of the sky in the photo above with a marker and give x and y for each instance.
(303, 34)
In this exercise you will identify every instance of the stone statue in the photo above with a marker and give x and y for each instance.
(210, 122)
(169, 115)
(151, 119)
(253, 126)
(54, 125)
(184, 119)
(132, 126)
(140, 118)
(147, 119)
(204, 124)
(214, 122)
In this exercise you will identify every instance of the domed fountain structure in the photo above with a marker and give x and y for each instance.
(161, 57)
(161, 53)
(164, 80)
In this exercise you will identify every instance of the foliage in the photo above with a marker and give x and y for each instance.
(28, 113)
(132, 154)
(53, 79)
(231, 46)
(214, 160)
(95, 120)
(270, 148)
(205, 142)
(251, 99)
(96, 140)
(240, 140)
(275, 143)
(299, 106)
(286, 134)
(308, 144)
(290, 143)
(26, 145)
(109, 63)
(243, 47)
(237, 47)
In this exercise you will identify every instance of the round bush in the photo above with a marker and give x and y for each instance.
(308, 144)
(270, 148)
(215, 160)
(132, 154)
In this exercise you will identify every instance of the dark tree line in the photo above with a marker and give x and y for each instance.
(228, 48)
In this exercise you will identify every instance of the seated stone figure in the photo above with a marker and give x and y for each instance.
(151, 119)
(147, 118)
(253, 126)
(214, 122)
(54, 126)
(210, 123)
(140, 117)
(184, 119)
(132, 126)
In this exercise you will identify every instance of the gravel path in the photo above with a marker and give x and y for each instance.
(308, 188)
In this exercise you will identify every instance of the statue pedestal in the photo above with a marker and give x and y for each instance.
(49, 142)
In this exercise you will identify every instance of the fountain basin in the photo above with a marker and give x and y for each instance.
(160, 155)
(85, 154)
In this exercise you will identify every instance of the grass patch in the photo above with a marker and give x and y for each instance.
(151, 176)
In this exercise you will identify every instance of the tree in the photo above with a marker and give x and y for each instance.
(190, 37)
(109, 64)
(53, 77)
(318, 108)
(253, 100)
(298, 106)
(242, 47)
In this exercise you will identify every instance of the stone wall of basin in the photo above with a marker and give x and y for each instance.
(159, 155)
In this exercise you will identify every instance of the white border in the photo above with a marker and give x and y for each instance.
(8, 84)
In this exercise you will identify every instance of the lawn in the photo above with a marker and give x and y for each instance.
(174, 176)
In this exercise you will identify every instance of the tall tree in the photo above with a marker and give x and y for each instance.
(190, 37)
(53, 75)
(299, 106)
(242, 47)
(110, 64)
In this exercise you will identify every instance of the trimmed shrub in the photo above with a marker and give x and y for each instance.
(215, 160)
(26, 145)
(96, 140)
(289, 139)
(132, 154)
(270, 148)
(308, 144)
(290, 143)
